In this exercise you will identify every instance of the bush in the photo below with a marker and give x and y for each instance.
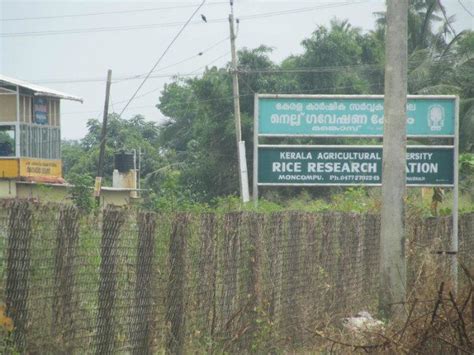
(80, 192)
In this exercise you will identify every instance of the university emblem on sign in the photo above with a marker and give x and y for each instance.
(436, 117)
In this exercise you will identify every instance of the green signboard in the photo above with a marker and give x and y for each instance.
(287, 115)
(350, 165)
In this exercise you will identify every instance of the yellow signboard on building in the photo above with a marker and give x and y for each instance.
(40, 168)
(8, 168)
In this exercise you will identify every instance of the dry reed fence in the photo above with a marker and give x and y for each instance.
(140, 282)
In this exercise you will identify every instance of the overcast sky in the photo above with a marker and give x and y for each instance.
(51, 43)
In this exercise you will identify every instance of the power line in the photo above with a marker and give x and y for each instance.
(304, 9)
(193, 73)
(161, 57)
(107, 12)
(175, 24)
(319, 69)
(132, 76)
(211, 62)
(231, 97)
(443, 11)
(97, 29)
(182, 61)
(313, 69)
(465, 8)
(125, 78)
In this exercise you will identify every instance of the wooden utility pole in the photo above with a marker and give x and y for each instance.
(100, 169)
(392, 237)
(242, 161)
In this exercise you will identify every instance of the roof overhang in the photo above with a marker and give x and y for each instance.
(39, 90)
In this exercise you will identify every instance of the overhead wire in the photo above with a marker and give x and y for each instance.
(162, 55)
(465, 8)
(129, 77)
(244, 71)
(264, 71)
(261, 71)
(175, 24)
(448, 23)
(200, 54)
(100, 29)
(241, 95)
(319, 69)
(304, 9)
(108, 12)
(177, 76)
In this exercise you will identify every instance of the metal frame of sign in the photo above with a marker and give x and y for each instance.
(351, 97)
(454, 146)
(437, 147)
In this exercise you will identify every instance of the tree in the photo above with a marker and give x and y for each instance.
(338, 60)
(207, 148)
(81, 158)
(441, 62)
(193, 155)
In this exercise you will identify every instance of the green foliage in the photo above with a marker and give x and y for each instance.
(170, 196)
(81, 192)
(191, 160)
(343, 46)
(83, 157)
(466, 174)
(200, 132)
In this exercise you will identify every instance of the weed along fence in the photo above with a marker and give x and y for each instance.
(127, 282)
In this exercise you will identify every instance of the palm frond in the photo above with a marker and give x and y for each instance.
(440, 89)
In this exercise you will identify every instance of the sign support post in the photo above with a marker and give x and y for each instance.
(255, 152)
(455, 212)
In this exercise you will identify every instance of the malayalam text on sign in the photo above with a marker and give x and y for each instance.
(356, 116)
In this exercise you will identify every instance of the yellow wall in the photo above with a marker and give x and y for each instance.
(9, 168)
(8, 108)
(29, 167)
(40, 167)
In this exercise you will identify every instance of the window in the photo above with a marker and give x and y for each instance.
(40, 142)
(7, 141)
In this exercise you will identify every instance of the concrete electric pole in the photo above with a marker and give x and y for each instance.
(100, 169)
(242, 161)
(392, 236)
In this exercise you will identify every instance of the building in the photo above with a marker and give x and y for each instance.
(30, 131)
(30, 145)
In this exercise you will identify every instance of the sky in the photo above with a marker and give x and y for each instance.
(69, 45)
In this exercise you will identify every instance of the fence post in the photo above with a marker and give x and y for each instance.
(112, 223)
(371, 255)
(291, 279)
(466, 239)
(229, 266)
(140, 333)
(273, 246)
(175, 315)
(63, 298)
(18, 269)
(349, 282)
(254, 223)
(206, 297)
(328, 259)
